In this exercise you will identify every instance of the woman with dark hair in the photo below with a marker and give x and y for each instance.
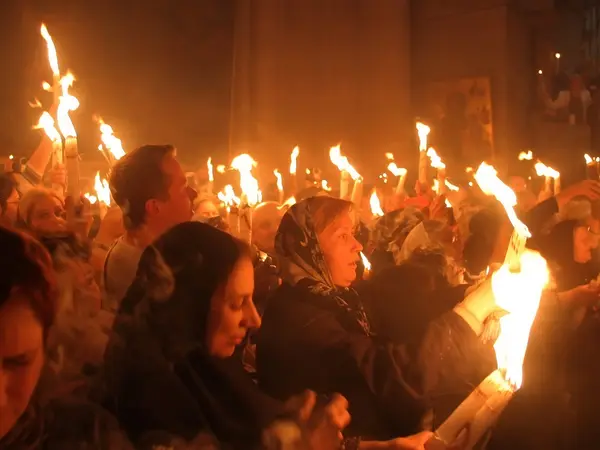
(316, 333)
(9, 200)
(29, 420)
(169, 365)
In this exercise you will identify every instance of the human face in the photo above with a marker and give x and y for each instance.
(266, 221)
(47, 215)
(206, 209)
(341, 249)
(232, 311)
(177, 208)
(584, 241)
(21, 358)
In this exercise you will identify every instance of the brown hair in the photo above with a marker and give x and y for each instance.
(137, 178)
(26, 266)
(326, 209)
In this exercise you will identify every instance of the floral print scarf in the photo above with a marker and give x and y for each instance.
(302, 264)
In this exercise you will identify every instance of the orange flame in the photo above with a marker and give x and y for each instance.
(102, 190)
(91, 198)
(249, 185)
(279, 180)
(293, 160)
(365, 262)
(375, 204)
(228, 197)
(526, 156)
(52, 56)
(325, 186)
(342, 163)
(519, 294)
(545, 171)
(422, 131)
(67, 103)
(487, 179)
(46, 123)
(393, 168)
(436, 161)
(112, 143)
(209, 166)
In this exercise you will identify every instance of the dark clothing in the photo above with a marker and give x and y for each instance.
(305, 342)
(65, 425)
(159, 373)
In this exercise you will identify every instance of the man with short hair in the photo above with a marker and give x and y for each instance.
(151, 189)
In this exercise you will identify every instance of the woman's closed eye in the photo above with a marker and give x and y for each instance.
(14, 362)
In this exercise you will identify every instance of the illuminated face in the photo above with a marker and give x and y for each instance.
(584, 241)
(47, 215)
(232, 311)
(265, 222)
(21, 358)
(341, 249)
(177, 208)
(206, 209)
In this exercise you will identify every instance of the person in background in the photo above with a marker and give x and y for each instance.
(205, 208)
(572, 101)
(27, 312)
(149, 209)
(266, 218)
(170, 367)
(316, 332)
(9, 200)
(41, 211)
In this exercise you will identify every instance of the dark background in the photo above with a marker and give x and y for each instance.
(155, 72)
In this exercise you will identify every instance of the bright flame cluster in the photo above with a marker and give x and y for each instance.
(519, 294)
(110, 142)
(422, 131)
(342, 163)
(393, 168)
(375, 204)
(545, 171)
(488, 181)
(250, 192)
(436, 161)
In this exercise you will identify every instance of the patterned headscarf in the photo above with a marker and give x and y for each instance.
(302, 262)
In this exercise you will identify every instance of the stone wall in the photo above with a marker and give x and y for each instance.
(315, 73)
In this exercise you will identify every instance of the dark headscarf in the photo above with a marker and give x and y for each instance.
(158, 367)
(302, 264)
(558, 248)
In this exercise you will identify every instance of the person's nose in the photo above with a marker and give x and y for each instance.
(253, 319)
(357, 246)
(3, 389)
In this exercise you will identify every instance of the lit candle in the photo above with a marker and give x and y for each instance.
(279, 185)
(557, 59)
(423, 131)
(294, 169)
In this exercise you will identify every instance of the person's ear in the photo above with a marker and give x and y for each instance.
(152, 207)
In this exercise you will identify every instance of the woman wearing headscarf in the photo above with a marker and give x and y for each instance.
(169, 365)
(316, 333)
(30, 418)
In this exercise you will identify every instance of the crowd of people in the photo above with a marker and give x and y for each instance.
(155, 328)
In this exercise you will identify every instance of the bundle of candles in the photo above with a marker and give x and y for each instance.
(516, 289)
